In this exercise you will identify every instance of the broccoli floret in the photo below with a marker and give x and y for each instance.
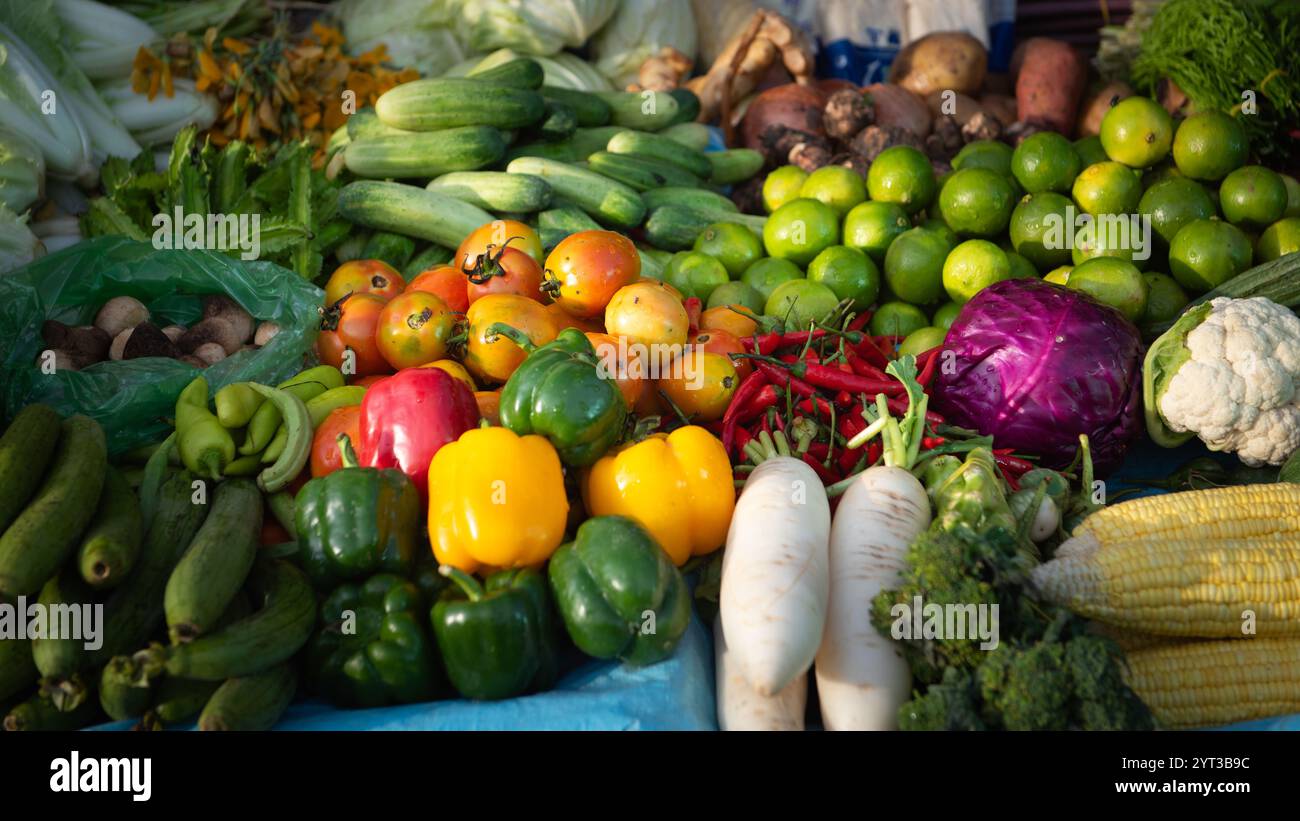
(1105, 702)
(949, 705)
(1029, 689)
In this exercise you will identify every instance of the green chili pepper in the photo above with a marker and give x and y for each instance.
(245, 466)
(236, 404)
(206, 446)
(266, 422)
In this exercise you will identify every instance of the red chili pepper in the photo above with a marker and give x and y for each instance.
(1012, 464)
(848, 460)
(927, 370)
(779, 421)
(827, 477)
(739, 400)
(815, 405)
(1008, 478)
(873, 355)
(766, 427)
(851, 425)
(819, 450)
(766, 398)
(862, 367)
(694, 309)
(898, 407)
(834, 379)
(860, 321)
(783, 377)
(928, 442)
(767, 344)
(843, 400)
(742, 438)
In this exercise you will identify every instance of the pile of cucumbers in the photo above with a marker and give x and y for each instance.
(500, 142)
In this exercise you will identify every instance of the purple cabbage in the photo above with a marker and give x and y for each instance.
(1036, 365)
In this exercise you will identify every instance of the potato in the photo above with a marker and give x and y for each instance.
(943, 60)
(961, 108)
(1096, 106)
(896, 107)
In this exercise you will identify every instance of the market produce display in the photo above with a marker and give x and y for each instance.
(389, 354)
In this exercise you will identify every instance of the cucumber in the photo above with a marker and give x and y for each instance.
(60, 658)
(425, 154)
(659, 147)
(214, 568)
(252, 644)
(691, 135)
(521, 72)
(587, 141)
(641, 173)
(112, 542)
(410, 210)
(559, 123)
(353, 247)
(734, 165)
(446, 102)
(179, 700)
(17, 668)
(606, 200)
(253, 702)
(45, 533)
(697, 198)
(390, 248)
(688, 106)
(651, 266)
(122, 692)
(39, 713)
(642, 110)
(433, 255)
(589, 109)
(365, 123)
(333, 234)
(495, 190)
(560, 152)
(25, 452)
(675, 227)
(556, 224)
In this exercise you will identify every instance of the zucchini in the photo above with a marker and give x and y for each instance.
(589, 109)
(425, 154)
(111, 544)
(642, 110)
(17, 667)
(698, 198)
(495, 190)
(122, 693)
(39, 713)
(556, 224)
(641, 173)
(734, 165)
(559, 124)
(688, 106)
(253, 702)
(392, 249)
(25, 451)
(410, 210)
(433, 255)
(43, 536)
(521, 72)
(606, 200)
(213, 569)
(675, 227)
(447, 102)
(60, 658)
(659, 147)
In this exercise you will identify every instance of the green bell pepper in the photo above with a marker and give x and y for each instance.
(559, 392)
(494, 637)
(619, 593)
(357, 521)
(373, 649)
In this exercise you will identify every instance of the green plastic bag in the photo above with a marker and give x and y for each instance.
(134, 399)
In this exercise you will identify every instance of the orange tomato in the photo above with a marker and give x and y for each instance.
(504, 270)
(672, 289)
(492, 357)
(722, 318)
(724, 342)
(626, 366)
(489, 405)
(350, 325)
(500, 233)
(701, 384)
(564, 319)
(454, 368)
(414, 329)
(649, 313)
(363, 276)
(587, 268)
(650, 403)
(447, 282)
(325, 457)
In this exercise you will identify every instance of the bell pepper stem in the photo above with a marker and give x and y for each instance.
(512, 333)
(470, 585)
(347, 456)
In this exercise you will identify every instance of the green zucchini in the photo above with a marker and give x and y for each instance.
(675, 227)
(606, 200)
(521, 72)
(433, 255)
(589, 109)
(659, 147)
(39, 713)
(734, 165)
(390, 248)
(642, 110)
(688, 106)
(697, 198)
(410, 210)
(691, 135)
(557, 223)
(425, 154)
(495, 190)
(25, 451)
(447, 102)
(112, 542)
(213, 569)
(17, 667)
(47, 531)
(641, 173)
(559, 123)
(123, 693)
(253, 702)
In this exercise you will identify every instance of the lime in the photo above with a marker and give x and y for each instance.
(1209, 145)
(849, 273)
(1159, 173)
(782, 185)
(1111, 235)
(871, 226)
(1254, 196)
(1045, 162)
(735, 246)
(1112, 282)
(902, 175)
(977, 201)
(800, 230)
(1174, 202)
(839, 187)
(972, 266)
(1292, 195)
(736, 293)
(695, 274)
(1137, 131)
(1060, 276)
(1279, 239)
(945, 315)
(940, 227)
(990, 154)
(896, 319)
(1107, 188)
(922, 340)
(767, 273)
(1021, 268)
(1041, 228)
(798, 302)
(914, 266)
(1207, 253)
(1090, 151)
(1165, 299)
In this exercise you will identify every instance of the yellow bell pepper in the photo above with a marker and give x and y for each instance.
(496, 500)
(678, 486)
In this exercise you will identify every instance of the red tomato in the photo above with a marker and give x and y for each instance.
(504, 271)
(499, 233)
(363, 276)
(350, 325)
(445, 281)
(717, 340)
(414, 329)
(325, 457)
(587, 268)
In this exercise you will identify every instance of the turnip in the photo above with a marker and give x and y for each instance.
(741, 708)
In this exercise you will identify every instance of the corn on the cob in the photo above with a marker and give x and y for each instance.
(1133, 640)
(1208, 683)
(1237, 512)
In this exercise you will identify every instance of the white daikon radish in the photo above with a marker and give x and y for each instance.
(741, 708)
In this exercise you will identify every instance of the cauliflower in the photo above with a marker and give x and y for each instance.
(1227, 372)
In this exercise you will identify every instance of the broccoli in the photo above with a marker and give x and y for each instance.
(1104, 701)
(949, 705)
(1027, 689)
